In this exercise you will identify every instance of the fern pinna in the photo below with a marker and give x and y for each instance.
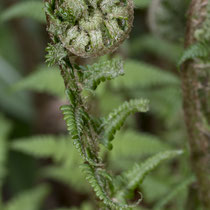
(91, 28)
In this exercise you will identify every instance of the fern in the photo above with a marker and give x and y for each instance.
(135, 176)
(70, 175)
(42, 80)
(130, 146)
(31, 9)
(172, 194)
(116, 119)
(156, 46)
(143, 75)
(55, 147)
(97, 182)
(29, 200)
(199, 50)
(102, 71)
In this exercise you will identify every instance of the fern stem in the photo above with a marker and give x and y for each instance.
(194, 95)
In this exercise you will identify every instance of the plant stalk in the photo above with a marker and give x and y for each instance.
(194, 97)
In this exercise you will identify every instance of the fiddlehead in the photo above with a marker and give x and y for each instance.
(90, 28)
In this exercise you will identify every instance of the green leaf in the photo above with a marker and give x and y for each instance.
(5, 127)
(59, 148)
(131, 145)
(30, 9)
(102, 71)
(142, 4)
(139, 74)
(43, 80)
(172, 194)
(116, 119)
(199, 50)
(29, 200)
(136, 175)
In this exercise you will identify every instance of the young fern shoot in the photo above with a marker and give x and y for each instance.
(91, 28)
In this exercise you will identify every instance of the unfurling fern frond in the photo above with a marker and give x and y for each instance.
(30, 9)
(29, 200)
(58, 148)
(200, 50)
(102, 71)
(116, 119)
(135, 176)
(90, 28)
(172, 194)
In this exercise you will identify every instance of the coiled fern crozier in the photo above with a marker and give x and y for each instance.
(91, 28)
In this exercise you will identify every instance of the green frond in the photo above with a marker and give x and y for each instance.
(30, 9)
(74, 126)
(172, 194)
(5, 127)
(98, 184)
(130, 145)
(116, 119)
(136, 175)
(43, 80)
(102, 71)
(59, 148)
(199, 50)
(29, 200)
(156, 46)
(142, 4)
(139, 74)
(70, 175)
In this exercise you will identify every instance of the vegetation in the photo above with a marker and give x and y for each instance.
(126, 145)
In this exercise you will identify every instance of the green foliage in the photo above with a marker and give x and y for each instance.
(102, 71)
(30, 9)
(172, 194)
(29, 200)
(19, 104)
(199, 50)
(5, 127)
(143, 75)
(97, 182)
(59, 148)
(142, 3)
(157, 46)
(167, 19)
(131, 145)
(135, 176)
(42, 80)
(116, 119)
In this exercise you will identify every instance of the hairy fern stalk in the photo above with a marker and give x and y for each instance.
(91, 28)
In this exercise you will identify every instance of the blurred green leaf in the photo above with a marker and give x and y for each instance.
(31, 9)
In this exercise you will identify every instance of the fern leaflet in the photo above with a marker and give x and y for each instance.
(135, 176)
(116, 119)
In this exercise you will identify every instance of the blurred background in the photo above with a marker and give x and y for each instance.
(39, 168)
